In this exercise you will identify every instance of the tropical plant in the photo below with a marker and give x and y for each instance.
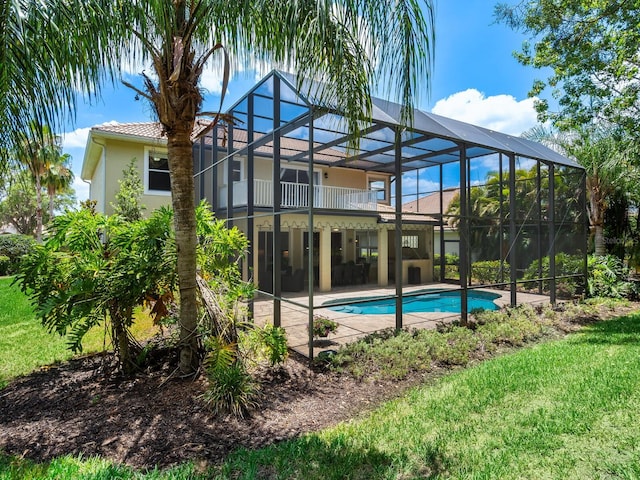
(609, 160)
(51, 50)
(58, 178)
(94, 270)
(608, 277)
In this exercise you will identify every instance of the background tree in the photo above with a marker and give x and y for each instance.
(610, 160)
(591, 47)
(128, 195)
(18, 203)
(58, 178)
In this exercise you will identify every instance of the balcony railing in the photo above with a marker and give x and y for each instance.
(296, 195)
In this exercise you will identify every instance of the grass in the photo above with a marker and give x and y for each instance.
(25, 344)
(562, 409)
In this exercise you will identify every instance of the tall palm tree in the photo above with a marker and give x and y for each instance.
(37, 152)
(346, 43)
(351, 45)
(58, 178)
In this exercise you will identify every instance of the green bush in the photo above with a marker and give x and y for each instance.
(15, 246)
(5, 262)
(608, 277)
(488, 271)
(565, 265)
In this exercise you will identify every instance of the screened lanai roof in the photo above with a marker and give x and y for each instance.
(430, 140)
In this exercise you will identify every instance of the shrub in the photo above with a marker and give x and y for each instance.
(488, 271)
(565, 265)
(607, 277)
(15, 246)
(4, 265)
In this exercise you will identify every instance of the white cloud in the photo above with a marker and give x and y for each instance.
(81, 188)
(502, 113)
(78, 138)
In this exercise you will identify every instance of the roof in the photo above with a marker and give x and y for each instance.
(430, 139)
(430, 203)
(387, 214)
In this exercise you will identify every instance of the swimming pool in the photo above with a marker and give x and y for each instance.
(425, 301)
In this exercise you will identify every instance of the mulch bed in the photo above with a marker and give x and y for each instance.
(146, 421)
(150, 420)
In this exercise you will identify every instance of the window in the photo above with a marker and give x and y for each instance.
(296, 175)
(410, 241)
(367, 245)
(156, 168)
(236, 170)
(378, 185)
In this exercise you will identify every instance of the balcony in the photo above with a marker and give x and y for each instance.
(296, 195)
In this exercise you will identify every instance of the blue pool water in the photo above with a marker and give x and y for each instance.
(423, 302)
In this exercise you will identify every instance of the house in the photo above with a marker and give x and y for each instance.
(321, 212)
(445, 238)
(109, 150)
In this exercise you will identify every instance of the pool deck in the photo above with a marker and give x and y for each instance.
(294, 313)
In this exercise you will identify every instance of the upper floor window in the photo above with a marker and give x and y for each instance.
(297, 175)
(378, 185)
(156, 169)
(237, 167)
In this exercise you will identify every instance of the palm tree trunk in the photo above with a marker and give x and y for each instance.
(600, 247)
(38, 209)
(182, 197)
(51, 194)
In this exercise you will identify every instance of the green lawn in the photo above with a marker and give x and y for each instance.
(567, 409)
(25, 344)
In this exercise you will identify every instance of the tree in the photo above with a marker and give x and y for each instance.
(610, 161)
(349, 44)
(58, 178)
(128, 195)
(18, 204)
(592, 48)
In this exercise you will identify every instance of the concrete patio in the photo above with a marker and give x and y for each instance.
(294, 316)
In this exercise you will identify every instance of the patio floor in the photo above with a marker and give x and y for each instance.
(294, 313)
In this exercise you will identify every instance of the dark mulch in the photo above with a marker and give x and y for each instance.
(146, 420)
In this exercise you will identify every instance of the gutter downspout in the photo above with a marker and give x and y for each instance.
(104, 174)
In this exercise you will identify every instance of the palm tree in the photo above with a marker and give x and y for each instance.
(350, 45)
(36, 153)
(43, 66)
(346, 43)
(58, 178)
(609, 162)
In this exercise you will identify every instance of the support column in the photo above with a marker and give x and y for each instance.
(325, 259)
(463, 226)
(552, 233)
(383, 257)
(513, 232)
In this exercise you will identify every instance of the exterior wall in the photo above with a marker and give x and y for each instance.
(118, 155)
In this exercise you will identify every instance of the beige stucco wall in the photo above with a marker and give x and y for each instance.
(118, 155)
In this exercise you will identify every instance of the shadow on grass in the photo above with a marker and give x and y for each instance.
(618, 331)
(312, 457)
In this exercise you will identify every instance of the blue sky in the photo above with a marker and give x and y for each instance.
(475, 79)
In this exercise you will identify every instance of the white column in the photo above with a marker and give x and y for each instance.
(383, 257)
(325, 260)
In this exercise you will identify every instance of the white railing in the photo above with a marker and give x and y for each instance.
(296, 195)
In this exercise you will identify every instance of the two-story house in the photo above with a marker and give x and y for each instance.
(320, 209)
